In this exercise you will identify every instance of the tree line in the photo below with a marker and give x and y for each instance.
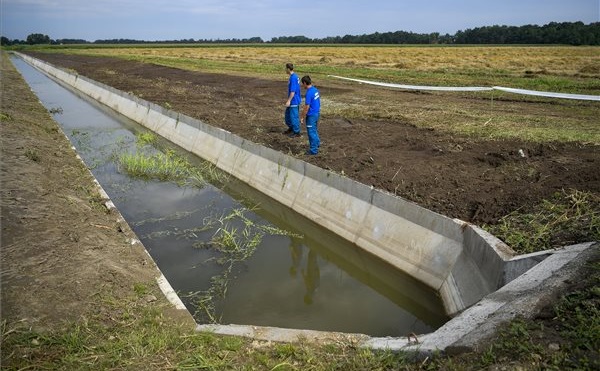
(568, 33)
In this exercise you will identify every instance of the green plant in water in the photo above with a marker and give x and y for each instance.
(236, 244)
(145, 138)
(158, 166)
(168, 166)
(207, 172)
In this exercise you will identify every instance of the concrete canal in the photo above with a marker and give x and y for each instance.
(298, 275)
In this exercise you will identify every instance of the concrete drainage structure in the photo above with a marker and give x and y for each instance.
(459, 261)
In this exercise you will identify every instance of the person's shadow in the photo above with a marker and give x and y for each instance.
(312, 276)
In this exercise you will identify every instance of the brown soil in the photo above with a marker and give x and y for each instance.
(475, 180)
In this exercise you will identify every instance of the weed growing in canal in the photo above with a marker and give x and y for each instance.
(146, 163)
(82, 140)
(162, 166)
(145, 138)
(168, 166)
(236, 238)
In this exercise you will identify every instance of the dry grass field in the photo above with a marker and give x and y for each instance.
(565, 69)
(561, 60)
(487, 61)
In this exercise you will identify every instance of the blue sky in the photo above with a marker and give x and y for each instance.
(221, 19)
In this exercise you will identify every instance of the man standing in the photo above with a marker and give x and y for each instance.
(292, 105)
(311, 112)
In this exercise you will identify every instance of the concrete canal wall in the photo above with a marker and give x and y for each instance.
(460, 261)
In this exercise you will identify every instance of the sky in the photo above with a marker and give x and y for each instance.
(227, 19)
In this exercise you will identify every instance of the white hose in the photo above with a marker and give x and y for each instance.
(476, 88)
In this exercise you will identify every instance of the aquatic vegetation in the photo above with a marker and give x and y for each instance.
(236, 239)
(157, 166)
(168, 166)
(145, 138)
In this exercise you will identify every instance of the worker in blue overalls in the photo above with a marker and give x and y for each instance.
(311, 113)
(292, 105)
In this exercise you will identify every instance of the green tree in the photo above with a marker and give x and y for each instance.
(38, 38)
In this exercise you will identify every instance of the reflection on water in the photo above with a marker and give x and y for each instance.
(310, 273)
(311, 276)
(296, 252)
(308, 279)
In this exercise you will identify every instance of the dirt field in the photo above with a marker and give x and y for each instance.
(471, 179)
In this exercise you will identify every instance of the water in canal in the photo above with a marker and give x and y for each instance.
(298, 276)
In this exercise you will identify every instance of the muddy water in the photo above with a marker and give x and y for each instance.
(314, 280)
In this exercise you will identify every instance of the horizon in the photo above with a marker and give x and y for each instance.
(157, 20)
(284, 36)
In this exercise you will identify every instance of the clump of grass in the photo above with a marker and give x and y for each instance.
(567, 216)
(162, 166)
(146, 138)
(240, 243)
(168, 166)
(33, 155)
(516, 340)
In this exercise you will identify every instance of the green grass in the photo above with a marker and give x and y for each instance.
(567, 216)
(167, 166)
(158, 166)
(146, 138)
(124, 334)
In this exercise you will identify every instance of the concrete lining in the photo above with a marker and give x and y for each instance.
(458, 260)
(516, 298)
